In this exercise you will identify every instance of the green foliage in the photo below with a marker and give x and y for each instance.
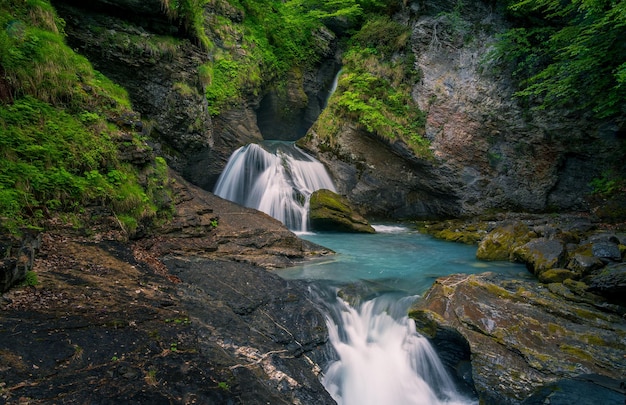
(273, 38)
(30, 280)
(608, 185)
(569, 53)
(191, 12)
(58, 149)
(374, 89)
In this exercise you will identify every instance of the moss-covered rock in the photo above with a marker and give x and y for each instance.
(556, 276)
(523, 335)
(500, 243)
(329, 211)
(541, 254)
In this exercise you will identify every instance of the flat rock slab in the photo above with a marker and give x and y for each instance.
(524, 335)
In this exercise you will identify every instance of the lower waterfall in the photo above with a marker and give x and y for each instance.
(382, 359)
(274, 177)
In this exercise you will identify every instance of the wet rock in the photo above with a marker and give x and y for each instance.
(610, 282)
(500, 243)
(331, 212)
(541, 254)
(582, 390)
(523, 336)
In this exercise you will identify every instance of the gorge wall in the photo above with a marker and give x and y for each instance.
(490, 152)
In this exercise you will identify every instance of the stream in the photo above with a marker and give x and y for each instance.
(366, 288)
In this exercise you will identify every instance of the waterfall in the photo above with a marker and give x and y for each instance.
(382, 359)
(276, 178)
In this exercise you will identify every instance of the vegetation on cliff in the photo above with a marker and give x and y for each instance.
(568, 53)
(67, 135)
(374, 88)
(256, 42)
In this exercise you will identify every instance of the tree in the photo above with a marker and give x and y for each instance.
(569, 53)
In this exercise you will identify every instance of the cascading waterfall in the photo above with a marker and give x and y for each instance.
(382, 359)
(276, 178)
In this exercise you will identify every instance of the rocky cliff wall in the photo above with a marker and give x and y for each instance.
(153, 56)
(490, 151)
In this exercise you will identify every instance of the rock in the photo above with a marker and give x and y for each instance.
(329, 211)
(607, 251)
(610, 283)
(208, 226)
(500, 243)
(556, 275)
(584, 264)
(540, 254)
(521, 335)
(17, 257)
(582, 390)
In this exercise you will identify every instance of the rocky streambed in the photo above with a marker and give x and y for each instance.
(558, 337)
(191, 315)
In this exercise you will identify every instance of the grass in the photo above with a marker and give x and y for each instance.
(58, 145)
(374, 89)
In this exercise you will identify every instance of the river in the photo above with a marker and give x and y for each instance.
(367, 288)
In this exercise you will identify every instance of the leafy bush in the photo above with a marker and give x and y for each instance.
(566, 53)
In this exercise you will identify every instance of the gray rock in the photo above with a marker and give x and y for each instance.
(541, 254)
(608, 251)
(522, 336)
(610, 282)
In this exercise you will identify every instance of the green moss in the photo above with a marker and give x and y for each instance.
(58, 142)
(577, 352)
(426, 322)
(328, 199)
(500, 243)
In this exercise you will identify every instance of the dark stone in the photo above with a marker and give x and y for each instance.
(608, 251)
(610, 282)
(581, 390)
(541, 254)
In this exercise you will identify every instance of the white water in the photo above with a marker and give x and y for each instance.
(276, 178)
(383, 360)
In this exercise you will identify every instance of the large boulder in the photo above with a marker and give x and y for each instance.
(541, 254)
(328, 211)
(523, 336)
(500, 243)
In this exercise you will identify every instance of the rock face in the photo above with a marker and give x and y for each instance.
(378, 180)
(490, 152)
(329, 211)
(523, 335)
